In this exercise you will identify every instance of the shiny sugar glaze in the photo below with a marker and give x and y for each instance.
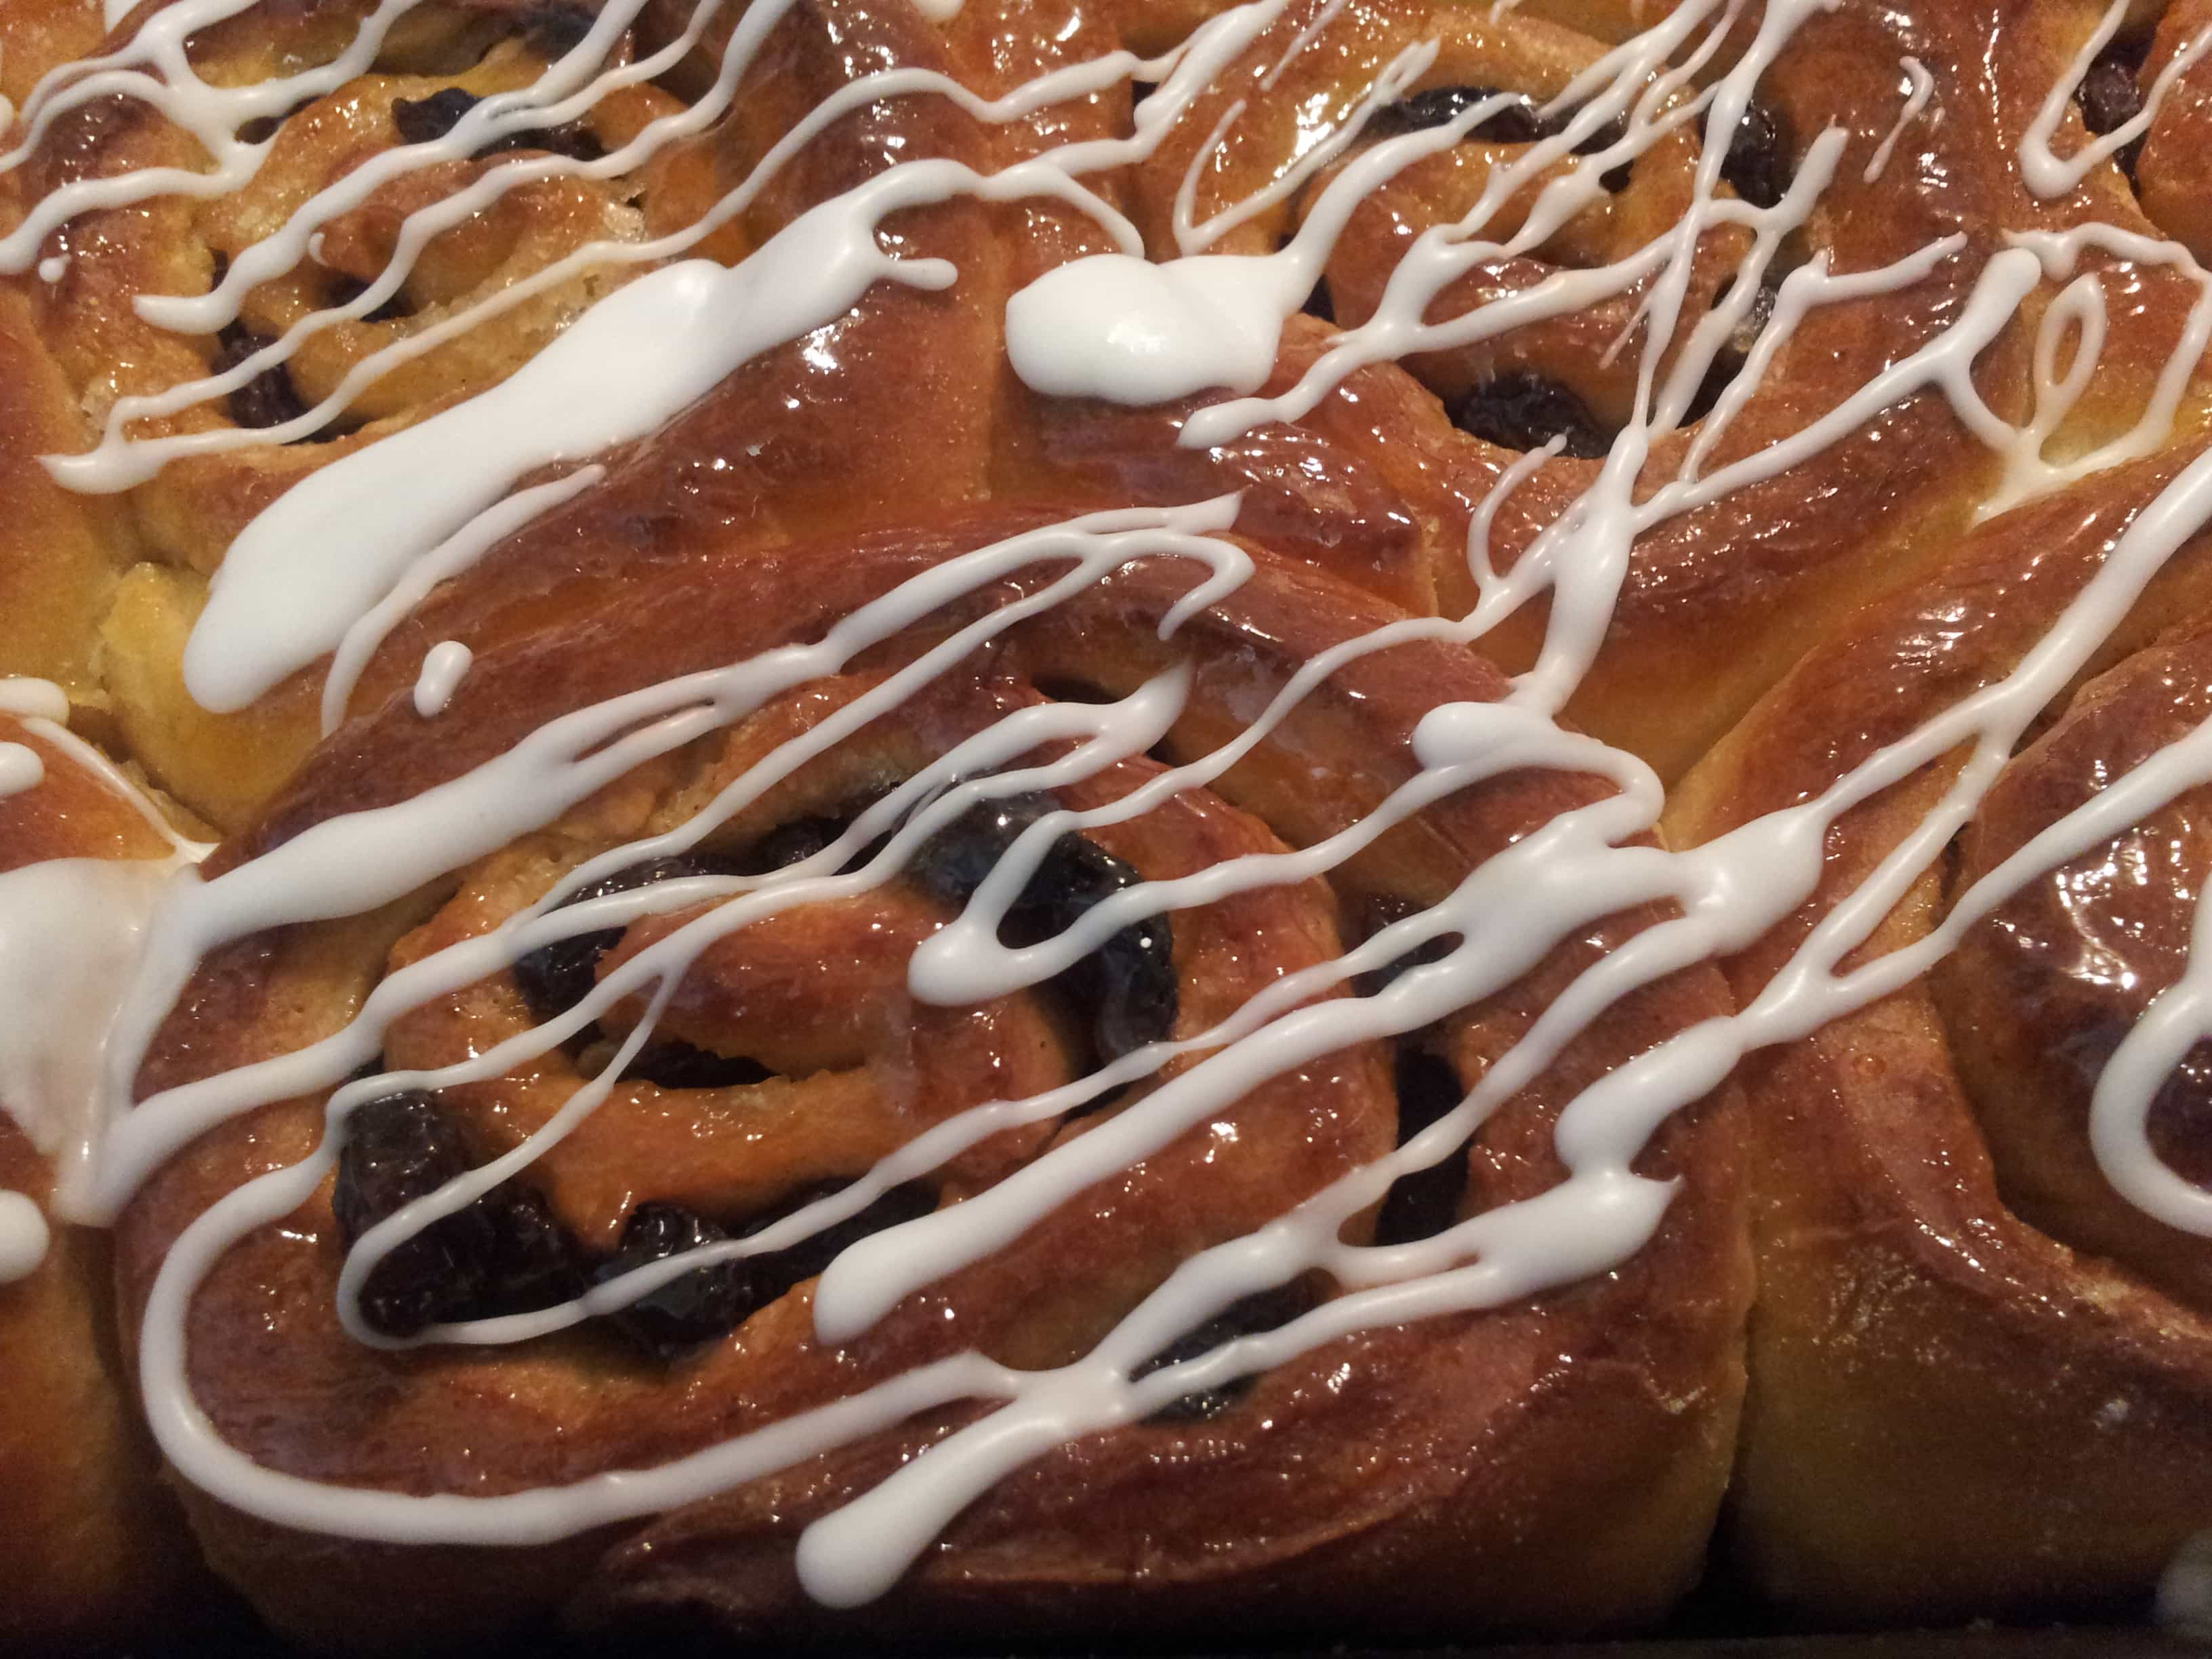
(1023, 900)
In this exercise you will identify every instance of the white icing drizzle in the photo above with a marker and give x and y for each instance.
(34, 699)
(675, 335)
(153, 66)
(23, 1236)
(443, 667)
(51, 271)
(324, 553)
(119, 462)
(563, 93)
(2044, 171)
(388, 523)
(625, 368)
(2079, 311)
(1919, 85)
(1510, 909)
(1441, 255)
(21, 769)
(1119, 327)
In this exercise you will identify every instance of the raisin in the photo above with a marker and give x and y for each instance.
(571, 138)
(346, 290)
(2110, 96)
(711, 1302)
(553, 978)
(799, 839)
(1526, 411)
(673, 1065)
(696, 1308)
(1382, 911)
(1615, 179)
(1262, 1310)
(425, 120)
(505, 1252)
(269, 398)
(398, 1149)
(956, 861)
(1517, 123)
(1425, 1202)
(1128, 985)
(533, 1261)
(1129, 982)
(555, 30)
(1758, 159)
(1729, 362)
(792, 843)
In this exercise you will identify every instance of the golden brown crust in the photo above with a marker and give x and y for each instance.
(60, 555)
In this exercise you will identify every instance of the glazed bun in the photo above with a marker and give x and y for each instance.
(1325, 819)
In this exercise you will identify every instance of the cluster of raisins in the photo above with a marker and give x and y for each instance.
(506, 1253)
